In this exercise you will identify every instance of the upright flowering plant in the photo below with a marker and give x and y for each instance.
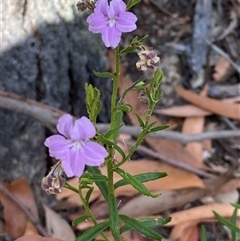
(78, 146)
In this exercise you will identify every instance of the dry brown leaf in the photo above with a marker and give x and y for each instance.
(16, 220)
(202, 213)
(36, 238)
(57, 227)
(30, 229)
(230, 110)
(223, 69)
(184, 232)
(167, 148)
(195, 125)
(183, 111)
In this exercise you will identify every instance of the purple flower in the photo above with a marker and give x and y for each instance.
(73, 146)
(111, 21)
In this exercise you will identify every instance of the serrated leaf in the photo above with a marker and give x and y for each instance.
(226, 223)
(101, 185)
(135, 224)
(80, 219)
(148, 222)
(203, 234)
(103, 74)
(92, 232)
(135, 183)
(143, 177)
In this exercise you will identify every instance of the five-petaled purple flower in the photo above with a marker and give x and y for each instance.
(111, 21)
(73, 146)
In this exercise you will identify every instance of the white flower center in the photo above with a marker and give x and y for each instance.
(112, 22)
(77, 145)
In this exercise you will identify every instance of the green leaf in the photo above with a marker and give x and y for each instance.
(135, 183)
(92, 232)
(143, 177)
(129, 49)
(203, 234)
(118, 123)
(226, 223)
(104, 139)
(113, 215)
(132, 3)
(94, 177)
(236, 205)
(125, 108)
(135, 224)
(158, 128)
(148, 222)
(101, 185)
(70, 187)
(140, 121)
(88, 194)
(120, 151)
(80, 219)
(103, 74)
(234, 222)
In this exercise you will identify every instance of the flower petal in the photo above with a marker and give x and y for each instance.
(67, 168)
(77, 162)
(117, 7)
(58, 146)
(111, 37)
(65, 124)
(126, 22)
(83, 129)
(97, 22)
(102, 7)
(94, 153)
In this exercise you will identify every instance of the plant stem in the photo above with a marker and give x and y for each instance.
(113, 211)
(88, 210)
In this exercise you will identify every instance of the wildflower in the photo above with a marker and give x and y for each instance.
(148, 59)
(73, 146)
(111, 21)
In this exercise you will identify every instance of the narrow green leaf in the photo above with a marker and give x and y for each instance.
(94, 176)
(113, 215)
(68, 186)
(234, 222)
(148, 222)
(203, 234)
(80, 219)
(135, 224)
(143, 177)
(103, 74)
(135, 183)
(159, 128)
(125, 108)
(236, 205)
(92, 232)
(101, 185)
(132, 3)
(103, 139)
(129, 49)
(119, 150)
(140, 121)
(119, 123)
(226, 223)
(88, 194)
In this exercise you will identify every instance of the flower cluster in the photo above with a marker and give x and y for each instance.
(111, 21)
(148, 59)
(73, 146)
